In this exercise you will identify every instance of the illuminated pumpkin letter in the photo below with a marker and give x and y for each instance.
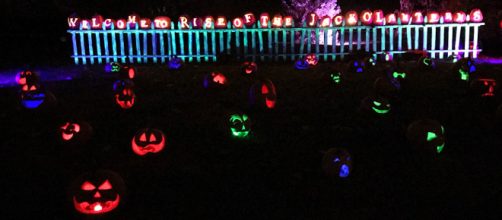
(459, 17)
(391, 19)
(366, 17)
(184, 22)
(145, 23)
(238, 23)
(162, 22)
(277, 21)
(476, 15)
(132, 20)
(351, 18)
(288, 21)
(418, 17)
(405, 18)
(249, 19)
(338, 20)
(85, 25)
(108, 23)
(221, 22)
(432, 17)
(120, 24)
(378, 17)
(264, 18)
(72, 22)
(325, 21)
(196, 23)
(96, 21)
(208, 22)
(312, 19)
(448, 17)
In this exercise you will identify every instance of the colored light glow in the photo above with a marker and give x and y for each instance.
(336, 77)
(96, 207)
(398, 75)
(431, 136)
(463, 75)
(33, 100)
(440, 148)
(344, 171)
(377, 110)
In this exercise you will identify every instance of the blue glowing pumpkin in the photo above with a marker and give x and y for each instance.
(36, 98)
(301, 64)
(337, 162)
(175, 63)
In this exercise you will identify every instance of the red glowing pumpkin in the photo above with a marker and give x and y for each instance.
(263, 94)
(75, 131)
(249, 67)
(98, 192)
(126, 98)
(148, 141)
(27, 77)
(311, 59)
(215, 80)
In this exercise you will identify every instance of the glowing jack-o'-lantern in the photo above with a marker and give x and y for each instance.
(175, 63)
(377, 105)
(75, 132)
(484, 87)
(301, 64)
(336, 77)
(357, 66)
(125, 98)
(127, 72)
(427, 134)
(465, 67)
(27, 77)
(426, 63)
(121, 84)
(311, 59)
(337, 163)
(148, 141)
(240, 125)
(263, 94)
(98, 192)
(37, 99)
(249, 67)
(112, 67)
(215, 80)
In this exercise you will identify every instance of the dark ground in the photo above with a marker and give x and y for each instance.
(205, 174)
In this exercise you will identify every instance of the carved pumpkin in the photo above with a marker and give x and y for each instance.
(112, 67)
(357, 66)
(249, 68)
(311, 59)
(125, 98)
(376, 105)
(121, 84)
(27, 77)
(148, 141)
(215, 80)
(426, 63)
(301, 64)
(37, 99)
(484, 87)
(75, 131)
(127, 72)
(175, 63)
(98, 192)
(336, 77)
(426, 135)
(337, 163)
(263, 94)
(240, 125)
(465, 68)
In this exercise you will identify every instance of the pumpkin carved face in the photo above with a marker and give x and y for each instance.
(27, 77)
(377, 105)
(75, 131)
(337, 162)
(263, 94)
(97, 193)
(357, 66)
(311, 59)
(486, 87)
(427, 135)
(249, 68)
(301, 65)
(465, 67)
(336, 77)
(174, 63)
(148, 141)
(239, 125)
(126, 98)
(215, 79)
(112, 67)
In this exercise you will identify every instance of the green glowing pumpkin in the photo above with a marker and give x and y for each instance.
(377, 105)
(427, 135)
(240, 125)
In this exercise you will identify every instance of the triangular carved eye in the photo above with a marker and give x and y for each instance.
(105, 186)
(65, 125)
(142, 137)
(264, 89)
(152, 138)
(87, 186)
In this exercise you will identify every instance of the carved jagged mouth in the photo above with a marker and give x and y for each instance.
(67, 137)
(96, 207)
